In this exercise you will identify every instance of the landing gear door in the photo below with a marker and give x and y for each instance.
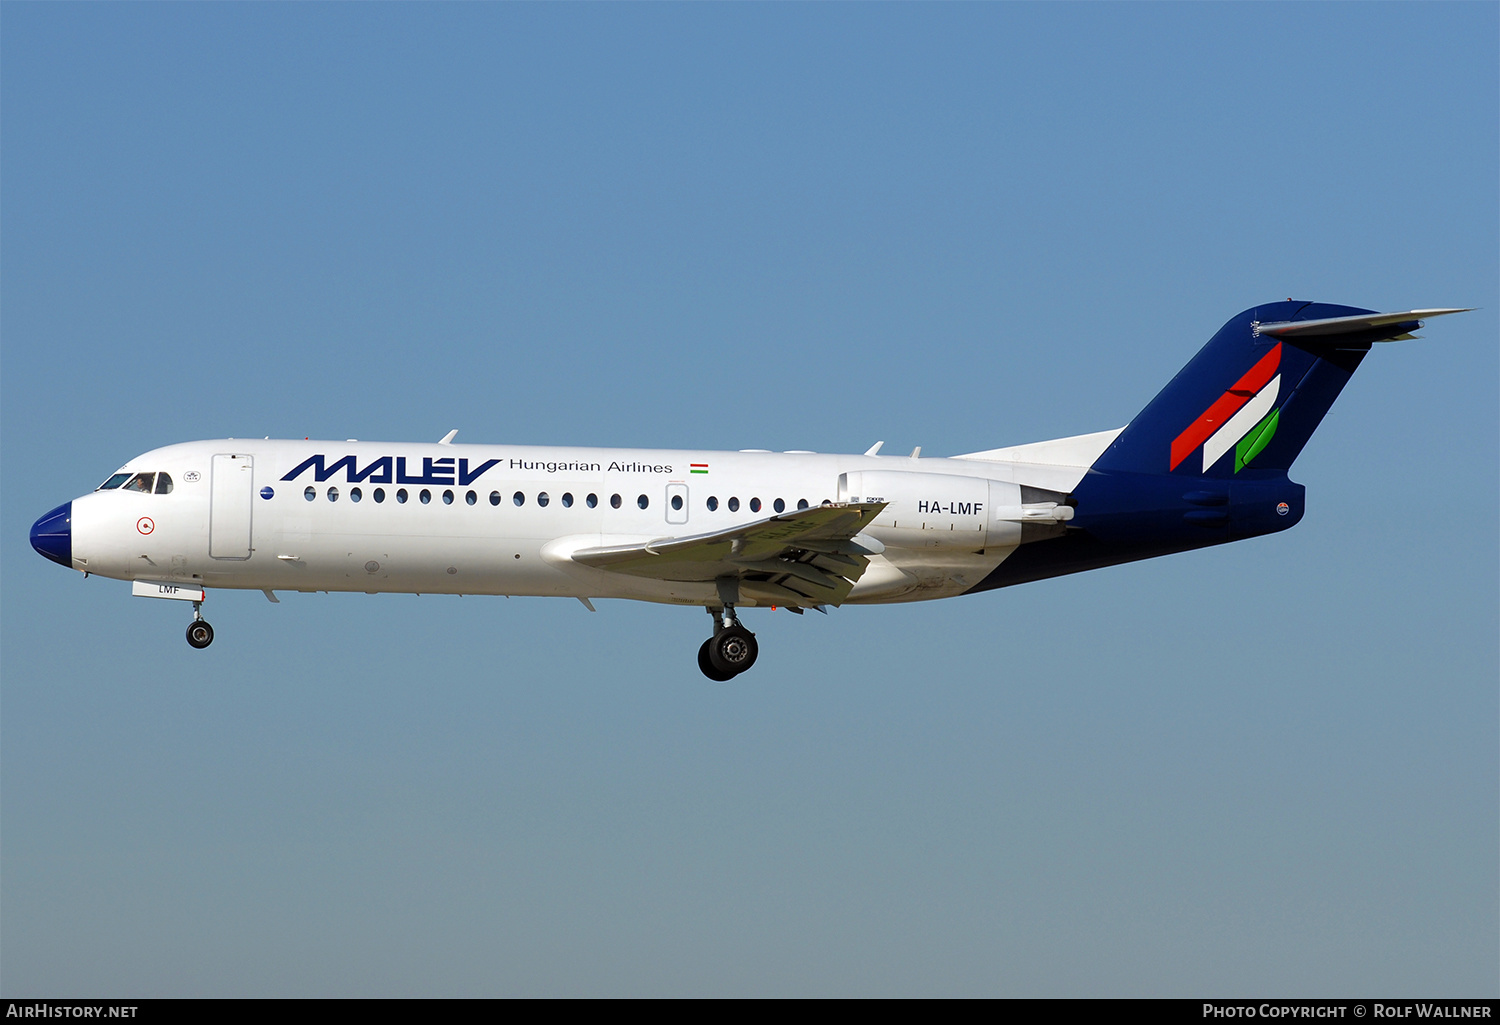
(229, 508)
(677, 503)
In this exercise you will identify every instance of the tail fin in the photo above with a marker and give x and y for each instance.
(1256, 392)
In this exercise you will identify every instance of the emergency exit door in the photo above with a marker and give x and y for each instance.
(677, 503)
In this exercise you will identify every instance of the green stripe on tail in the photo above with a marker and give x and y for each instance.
(1259, 437)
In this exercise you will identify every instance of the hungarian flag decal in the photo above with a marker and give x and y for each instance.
(1242, 420)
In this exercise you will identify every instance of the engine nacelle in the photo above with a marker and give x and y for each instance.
(944, 510)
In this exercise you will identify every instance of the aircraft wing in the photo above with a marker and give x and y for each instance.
(806, 558)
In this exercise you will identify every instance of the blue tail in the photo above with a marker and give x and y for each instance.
(1249, 400)
(1206, 461)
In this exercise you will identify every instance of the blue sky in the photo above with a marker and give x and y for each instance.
(1265, 768)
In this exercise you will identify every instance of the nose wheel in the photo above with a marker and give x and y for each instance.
(199, 633)
(730, 651)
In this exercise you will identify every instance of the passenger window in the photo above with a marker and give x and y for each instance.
(114, 481)
(494, 498)
(471, 498)
(614, 501)
(643, 501)
(518, 498)
(801, 503)
(310, 493)
(141, 482)
(542, 499)
(401, 496)
(779, 505)
(355, 494)
(425, 496)
(447, 497)
(163, 484)
(755, 505)
(333, 494)
(591, 501)
(379, 495)
(567, 499)
(734, 505)
(713, 503)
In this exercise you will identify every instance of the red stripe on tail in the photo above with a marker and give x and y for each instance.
(1201, 429)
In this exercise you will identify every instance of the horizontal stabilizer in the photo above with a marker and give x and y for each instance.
(1372, 326)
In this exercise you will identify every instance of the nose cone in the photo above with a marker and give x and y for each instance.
(52, 535)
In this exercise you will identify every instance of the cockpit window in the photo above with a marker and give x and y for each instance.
(114, 482)
(163, 483)
(141, 482)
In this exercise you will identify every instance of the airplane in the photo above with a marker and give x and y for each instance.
(1205, 463)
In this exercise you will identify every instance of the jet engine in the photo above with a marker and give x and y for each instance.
(942, 510)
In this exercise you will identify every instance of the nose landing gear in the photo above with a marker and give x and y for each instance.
(730, 651)
(199, 633)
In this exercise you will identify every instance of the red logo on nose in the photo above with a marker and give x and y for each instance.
(144, 525)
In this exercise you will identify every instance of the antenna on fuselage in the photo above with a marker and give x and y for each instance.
(448, 438)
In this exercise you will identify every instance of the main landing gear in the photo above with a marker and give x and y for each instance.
(730, 651)
(199, 633)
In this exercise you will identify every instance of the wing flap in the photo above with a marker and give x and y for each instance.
(807, 557)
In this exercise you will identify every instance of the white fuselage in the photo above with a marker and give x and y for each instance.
(504, 520)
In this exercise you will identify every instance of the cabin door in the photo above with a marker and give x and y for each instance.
(229, 507)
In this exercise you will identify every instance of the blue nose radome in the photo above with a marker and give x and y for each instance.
(52, 535)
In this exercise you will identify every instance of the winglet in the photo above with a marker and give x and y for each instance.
(448, 438)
